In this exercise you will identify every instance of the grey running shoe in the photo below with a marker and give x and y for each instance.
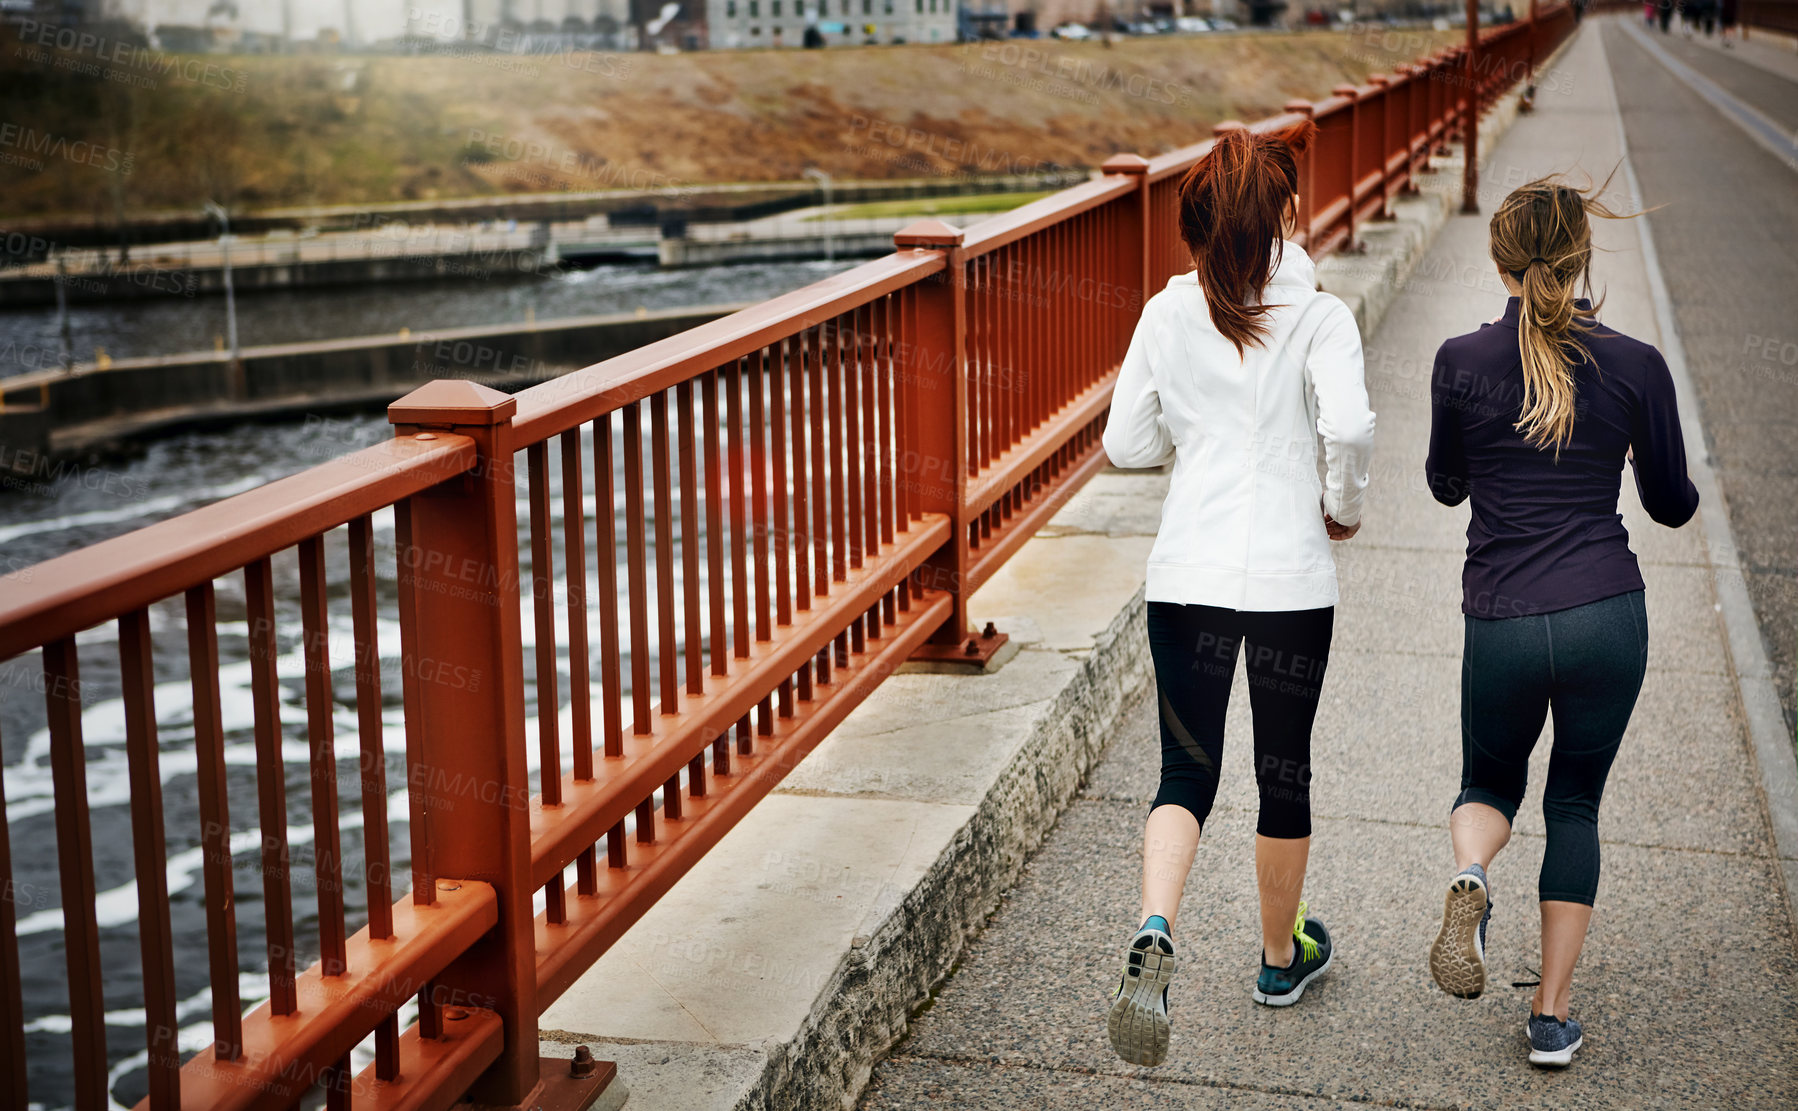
(1553, 1042)
(1458, 956)
(1138, 1022)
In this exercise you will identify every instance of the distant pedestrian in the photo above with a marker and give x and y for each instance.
(1666, 14)
(1726, 15)
(1235, 371)
(1533, 417)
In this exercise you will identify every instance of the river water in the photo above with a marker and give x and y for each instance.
(183, 472)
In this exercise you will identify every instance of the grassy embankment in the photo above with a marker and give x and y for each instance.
(266, 131)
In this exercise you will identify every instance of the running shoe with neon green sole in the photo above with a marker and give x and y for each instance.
(1312, 953)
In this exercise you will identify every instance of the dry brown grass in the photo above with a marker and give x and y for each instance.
(350, 130)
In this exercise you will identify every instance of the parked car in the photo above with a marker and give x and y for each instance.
(1191, 25)
(1222, 23)
(1073, 32)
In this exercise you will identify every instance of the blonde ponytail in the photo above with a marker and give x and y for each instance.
(1541, 237)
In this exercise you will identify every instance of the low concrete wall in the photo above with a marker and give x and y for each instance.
(712, 252)
(135, 281)
(92, 406)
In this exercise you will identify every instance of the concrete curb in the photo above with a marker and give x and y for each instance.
(885, 979)
(885, 976)
(1762, 716)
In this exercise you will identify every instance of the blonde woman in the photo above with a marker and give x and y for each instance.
(1533, 417)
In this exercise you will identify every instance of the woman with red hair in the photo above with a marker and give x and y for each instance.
(1236, 373)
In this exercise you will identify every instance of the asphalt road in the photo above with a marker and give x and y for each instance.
(1728, 241)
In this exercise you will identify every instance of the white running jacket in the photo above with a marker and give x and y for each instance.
(1243, 526)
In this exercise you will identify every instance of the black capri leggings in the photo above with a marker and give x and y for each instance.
(1195, 649)
(1584, 663)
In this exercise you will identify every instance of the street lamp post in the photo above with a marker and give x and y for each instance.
(224, 219)
(823, 180)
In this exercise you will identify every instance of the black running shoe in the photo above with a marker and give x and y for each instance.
(1458, 955)
(1553, 1042)
(1138, 1022)
(1311, 957)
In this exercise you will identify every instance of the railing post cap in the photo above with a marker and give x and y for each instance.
(1222, 126)
(1125, 164)
(1350, 91)
(1381, 79)
(1304, 107)
(928, 233)
(453, 401)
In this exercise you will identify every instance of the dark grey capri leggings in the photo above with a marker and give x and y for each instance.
(1584, 663)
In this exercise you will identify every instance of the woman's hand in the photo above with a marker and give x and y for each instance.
(1340, 532)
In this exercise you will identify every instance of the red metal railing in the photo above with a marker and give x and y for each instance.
(1772, 15)
(825, 479)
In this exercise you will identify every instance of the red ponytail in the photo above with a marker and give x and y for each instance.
(1232, 207)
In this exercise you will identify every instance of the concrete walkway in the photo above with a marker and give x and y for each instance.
(1688, 989)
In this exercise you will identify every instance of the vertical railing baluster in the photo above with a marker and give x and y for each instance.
(756, 378)
(821, 469)
(636, 562)
(714, 550)
(574, 571)
(156, 939)
(271, 784)
(75, 866)
(775, 363)
(821, 473)
(885, 323)
(740, 587)
(605, 552)
(376, 855)
(854, 529)
(13, 1095)
(154, 931)
(798, 353)
(667, 649)
(215, 822)
(387, 1049)
(543, 621)
(689, 539)
(336, 1084)
(714, 525)
(904, 385)
(543, 624)
(327, 854)
(867, 348)
(580, 665)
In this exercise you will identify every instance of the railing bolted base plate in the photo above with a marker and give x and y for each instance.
(975, 650)
(562, 1090)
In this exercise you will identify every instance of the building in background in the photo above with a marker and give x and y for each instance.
(523, 26)
(779, 23)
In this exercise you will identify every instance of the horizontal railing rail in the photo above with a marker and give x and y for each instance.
(593, 688)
